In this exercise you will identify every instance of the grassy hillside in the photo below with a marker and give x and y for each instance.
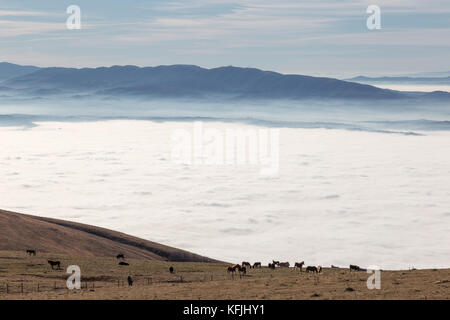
(21, 232)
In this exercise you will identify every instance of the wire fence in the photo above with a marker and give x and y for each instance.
(32, 286)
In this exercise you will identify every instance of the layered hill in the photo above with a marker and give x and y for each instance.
(189, 81)
(23, 232)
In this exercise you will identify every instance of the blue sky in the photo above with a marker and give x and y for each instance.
(327, 38)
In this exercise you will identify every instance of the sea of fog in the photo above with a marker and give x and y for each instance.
(343, 194)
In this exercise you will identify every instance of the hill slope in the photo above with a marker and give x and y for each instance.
(22, 232)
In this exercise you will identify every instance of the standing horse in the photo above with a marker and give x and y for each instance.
(257, 265)
(31, 252)
(299, 265)
(54, 263)
(120, 256)
(242, 270)
(246, 264)
(284, 264)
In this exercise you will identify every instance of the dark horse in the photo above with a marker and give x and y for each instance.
(123, 263)
(130, 281)
(54, 263)
(171, 269)
(31, 252)
(120, 256)
(354, 267)
(312, 269)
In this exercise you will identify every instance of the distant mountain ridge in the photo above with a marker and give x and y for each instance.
(410, 80)
(10, 70)
(191, 81)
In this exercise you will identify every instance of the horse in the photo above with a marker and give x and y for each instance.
(257, 265)
(246, 264)
(31, 252)
(130, 281)
(54, 263)
(231, 269)
(120, 256)
(319, 269)
(334, 267)
(242, 270)
(312, 269)
(271, 266)
(123, 263)
(284, 264)
(354, 267)
(275, 262)
(299, 265)
(171, 269)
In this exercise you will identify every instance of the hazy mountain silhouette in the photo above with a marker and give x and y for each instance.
(190, 81)
(9, 70)
(187, 80)
(409, 80)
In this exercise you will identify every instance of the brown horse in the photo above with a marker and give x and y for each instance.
(275, 262)
(271, 266)
(231, 269)
(246, 264)
(257, 265)
(299, 265)
(54, 263)
(284, 264)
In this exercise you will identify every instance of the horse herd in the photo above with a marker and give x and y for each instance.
(242, 268)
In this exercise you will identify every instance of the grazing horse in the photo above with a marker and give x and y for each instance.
(54, 263)
(334, 267)
(171, 269)
(246, 264)
(130, 281)
(312, 269)
(354, 267)
(257, 265)
(299, 265)
(31, 252)
(284, 264)
(319, 269)
(123, 263)
(120, 256)
(271, 266)
(275, 262)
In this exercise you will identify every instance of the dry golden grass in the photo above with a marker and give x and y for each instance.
(104, 278)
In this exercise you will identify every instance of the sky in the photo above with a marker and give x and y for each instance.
(314, 37)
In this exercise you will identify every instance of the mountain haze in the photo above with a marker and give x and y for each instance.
(190, 81)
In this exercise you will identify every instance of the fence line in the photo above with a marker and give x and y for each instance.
(21, 287)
